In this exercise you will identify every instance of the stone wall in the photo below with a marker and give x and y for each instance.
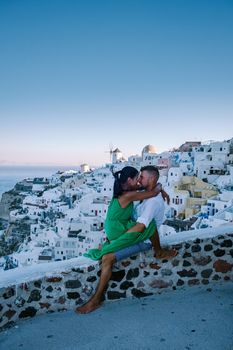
(203, 261)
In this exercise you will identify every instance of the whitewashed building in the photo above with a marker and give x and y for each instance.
(174, 175)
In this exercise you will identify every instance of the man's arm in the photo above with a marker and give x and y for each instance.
(151, 210)
(137, 228)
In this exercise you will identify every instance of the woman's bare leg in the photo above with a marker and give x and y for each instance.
(106, 273)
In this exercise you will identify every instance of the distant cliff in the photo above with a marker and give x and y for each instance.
(11, 200)
(15, 233)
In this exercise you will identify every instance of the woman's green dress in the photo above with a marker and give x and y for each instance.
(118, 222)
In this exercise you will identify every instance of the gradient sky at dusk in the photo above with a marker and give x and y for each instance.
(76, 76)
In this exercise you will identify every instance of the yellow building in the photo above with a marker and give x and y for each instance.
(199, 192)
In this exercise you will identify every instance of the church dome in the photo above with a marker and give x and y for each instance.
(149, 149)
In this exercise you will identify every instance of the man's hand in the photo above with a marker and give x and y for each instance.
(138, 227)
(165, 196)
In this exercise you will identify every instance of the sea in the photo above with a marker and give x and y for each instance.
(10, 175)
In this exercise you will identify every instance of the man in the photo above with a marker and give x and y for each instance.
(145, 212)
(149, 209)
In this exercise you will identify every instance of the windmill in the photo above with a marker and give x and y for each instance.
(110, 151)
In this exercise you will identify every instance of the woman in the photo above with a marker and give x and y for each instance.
(119, 215)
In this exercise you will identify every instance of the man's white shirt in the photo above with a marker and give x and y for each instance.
(149, 209)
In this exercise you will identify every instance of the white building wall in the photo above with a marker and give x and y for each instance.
(229, 216)
(174, 175)
(149, 159)
(98, 209)
(106, 188)
(178, 200)
(135, 160)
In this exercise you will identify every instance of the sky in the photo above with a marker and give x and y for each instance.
(77, 77)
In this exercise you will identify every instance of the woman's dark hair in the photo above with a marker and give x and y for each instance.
(120, 179)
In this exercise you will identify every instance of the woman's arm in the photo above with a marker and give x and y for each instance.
(131, 196)
(165, 196)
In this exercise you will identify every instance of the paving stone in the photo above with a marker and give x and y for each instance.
(160, 284)
(222, 266)
(28, 312)
(54, 279)
(112, 295)
(73, 284)
(118, 276)
(202, 260)
(219, 252)
(132, 273)
(126, 285)
(187, 273)
(34, 296)
(73, 295)
(206, 273)
(139, 294)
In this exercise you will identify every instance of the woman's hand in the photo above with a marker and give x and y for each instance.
(158, 187)
(165, 196)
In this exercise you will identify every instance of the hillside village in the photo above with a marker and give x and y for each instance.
(61, 217)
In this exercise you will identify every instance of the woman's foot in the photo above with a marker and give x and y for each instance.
(166, 254)
(90, 306)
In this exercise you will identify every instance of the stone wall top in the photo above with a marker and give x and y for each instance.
(30, 273)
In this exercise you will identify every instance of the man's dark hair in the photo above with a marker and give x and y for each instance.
(152, 170)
